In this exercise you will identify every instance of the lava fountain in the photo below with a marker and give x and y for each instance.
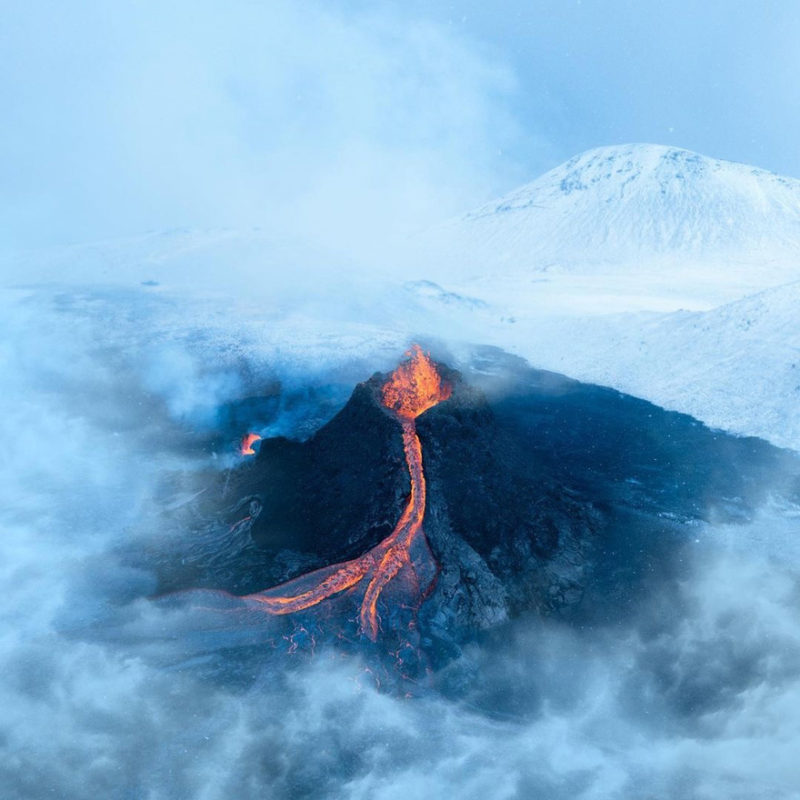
(413, 388)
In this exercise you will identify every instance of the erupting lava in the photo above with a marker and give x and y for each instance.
(412, 388)
(246, 446)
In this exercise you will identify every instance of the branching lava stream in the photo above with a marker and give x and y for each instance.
(411, 389)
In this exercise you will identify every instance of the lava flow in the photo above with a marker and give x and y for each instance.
(246, 446)
(411, 389)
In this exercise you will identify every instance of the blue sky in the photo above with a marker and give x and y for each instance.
(324, 120)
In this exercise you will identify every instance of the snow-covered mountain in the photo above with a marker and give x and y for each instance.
(630, 210)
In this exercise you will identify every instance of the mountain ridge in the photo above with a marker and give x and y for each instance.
(647, 204)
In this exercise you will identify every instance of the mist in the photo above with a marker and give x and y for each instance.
(343, 127)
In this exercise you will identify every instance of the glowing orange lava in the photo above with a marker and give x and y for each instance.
(246, 446)
(415, 386)
(412, 389)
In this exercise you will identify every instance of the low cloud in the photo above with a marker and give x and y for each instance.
(106, 693)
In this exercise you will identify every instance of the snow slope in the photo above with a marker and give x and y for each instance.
(736, 367)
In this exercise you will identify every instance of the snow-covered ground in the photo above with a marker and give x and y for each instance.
(657, 271)
(736, 367)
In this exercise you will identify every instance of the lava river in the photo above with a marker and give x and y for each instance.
(403, 557)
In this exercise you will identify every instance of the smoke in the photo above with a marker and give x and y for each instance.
(108, 694)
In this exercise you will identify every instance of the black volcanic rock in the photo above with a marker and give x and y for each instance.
(336, 494)
(544, 494)
(574, 497)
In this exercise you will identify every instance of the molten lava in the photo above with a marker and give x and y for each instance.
(246, 446)
(411, 389)
(414, 387)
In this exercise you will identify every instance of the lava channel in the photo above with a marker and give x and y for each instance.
(413, 388)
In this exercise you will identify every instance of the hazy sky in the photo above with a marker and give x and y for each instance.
(331, 119)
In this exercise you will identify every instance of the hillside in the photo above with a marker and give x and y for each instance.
(736, 367)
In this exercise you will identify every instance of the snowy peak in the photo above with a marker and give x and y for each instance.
(648, 204)
(646, 172)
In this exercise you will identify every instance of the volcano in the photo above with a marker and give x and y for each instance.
(511, 491)
(412, 389)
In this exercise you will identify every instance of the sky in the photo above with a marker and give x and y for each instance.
(337, 120)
